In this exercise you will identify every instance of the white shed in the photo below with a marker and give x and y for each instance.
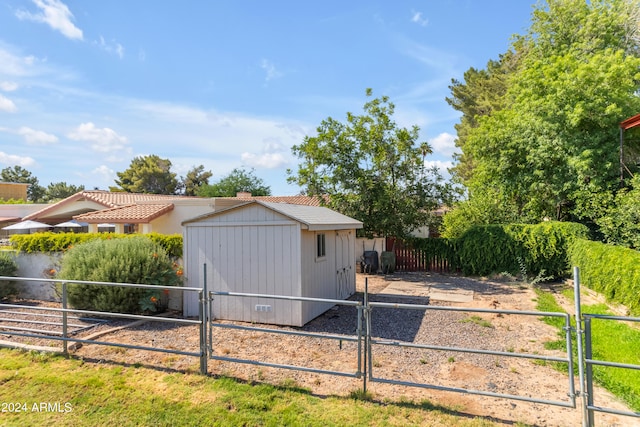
(275, 249)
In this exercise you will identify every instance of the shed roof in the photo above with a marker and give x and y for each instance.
(311, 217)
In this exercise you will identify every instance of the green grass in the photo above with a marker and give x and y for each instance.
(612, 341)
(87, 394)
(478, 321)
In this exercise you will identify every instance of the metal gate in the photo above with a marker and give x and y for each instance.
(368, 344)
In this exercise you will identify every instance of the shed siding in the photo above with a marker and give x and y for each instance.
(249, 259)
(255, 249)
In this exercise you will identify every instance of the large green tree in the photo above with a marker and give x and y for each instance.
(238, 180)
(147, 174)
(196, 178)
(372, 170)
(18, 174)
(549, 144)
(60, 190)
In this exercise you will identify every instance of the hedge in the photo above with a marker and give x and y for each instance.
(527, 249)
(611, 270)
(60, 242)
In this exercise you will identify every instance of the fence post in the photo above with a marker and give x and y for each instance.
(586, 414)
(65, 343)
(203, 324)
(366, 335)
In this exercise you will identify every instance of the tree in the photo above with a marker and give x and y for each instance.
(620, 225)
(238, 180)
(61, 190)
(147, 174)
(372, 170)
(195, 179)
(18, 174)
(552, 145)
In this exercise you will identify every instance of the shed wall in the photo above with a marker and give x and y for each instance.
(252, 250)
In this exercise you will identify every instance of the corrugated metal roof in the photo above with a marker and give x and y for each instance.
(313, 217)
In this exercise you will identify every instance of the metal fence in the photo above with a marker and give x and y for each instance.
(364, 338)
(66, 334)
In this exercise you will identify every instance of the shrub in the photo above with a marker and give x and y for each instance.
(59, 242)
(8, 267)
(133, 260)
(518, 248)
(610, 270)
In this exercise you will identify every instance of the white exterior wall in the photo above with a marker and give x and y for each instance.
(171, 222)
(331, 277)
(251, 250)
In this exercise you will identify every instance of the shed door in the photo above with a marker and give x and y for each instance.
(345, 253)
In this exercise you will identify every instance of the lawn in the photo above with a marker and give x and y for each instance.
(39, 389)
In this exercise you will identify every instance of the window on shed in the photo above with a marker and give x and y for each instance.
(321, 248)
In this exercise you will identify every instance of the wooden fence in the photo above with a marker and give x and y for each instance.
(430, 254)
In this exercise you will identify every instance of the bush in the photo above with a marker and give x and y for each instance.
(8, 267)
(59, 242)
(132, 260)
(539, 249)
(610, 270)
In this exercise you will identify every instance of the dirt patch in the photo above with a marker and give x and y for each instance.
(442, 329)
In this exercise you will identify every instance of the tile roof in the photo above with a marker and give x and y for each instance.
(126, 214)
(107, 199)
(294, 200)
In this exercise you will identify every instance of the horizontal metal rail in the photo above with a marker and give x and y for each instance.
(470, 350)
(466, 310)
(471, 391)
(358, 338)
(113, 344)
(38, 322)
(41, 331)
(291, 367)
(285, 332)
(110, 314)
(87, 282)
(287, 297)
(58, 316)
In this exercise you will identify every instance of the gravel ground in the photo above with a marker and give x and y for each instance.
(514, 334)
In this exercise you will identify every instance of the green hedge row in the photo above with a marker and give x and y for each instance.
(613, 271)
(60, 242)
(528, 249)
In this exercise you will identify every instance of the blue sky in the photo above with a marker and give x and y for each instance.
(86, 86)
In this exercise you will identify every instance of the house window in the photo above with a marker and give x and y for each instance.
(321, 248)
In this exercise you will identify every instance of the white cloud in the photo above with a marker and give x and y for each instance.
(443, 144)
(112, 48)
(7, 105)
(8, 86)
(104, 171)
(13, 160)
(442, 166)
(272, 156)
(264, 160)
(104, 140)
(37, 137)
(270, 69)
(417, 18)
(12, 64)
(55, 14)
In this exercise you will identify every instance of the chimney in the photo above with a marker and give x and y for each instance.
(243, 195)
